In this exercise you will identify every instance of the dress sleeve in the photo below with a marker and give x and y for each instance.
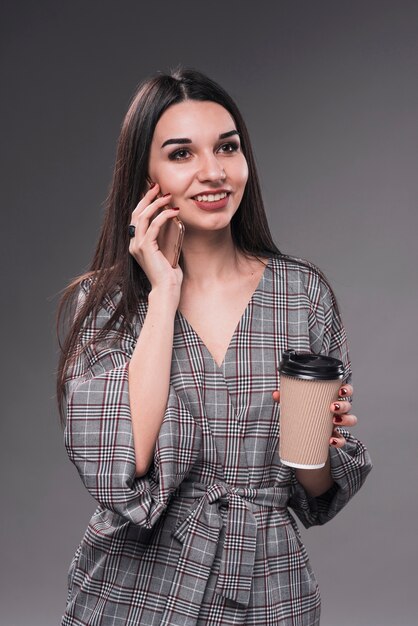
(350, 464)
(98, 431)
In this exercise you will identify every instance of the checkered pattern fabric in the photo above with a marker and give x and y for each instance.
(206, 537)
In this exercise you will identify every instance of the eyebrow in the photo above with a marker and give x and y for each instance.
(182, 140)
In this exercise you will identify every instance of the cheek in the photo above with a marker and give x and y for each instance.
(241, 171)
(172, 179)
(179, 177)
(240, 177)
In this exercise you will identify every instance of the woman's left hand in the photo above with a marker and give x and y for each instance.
(342, 417)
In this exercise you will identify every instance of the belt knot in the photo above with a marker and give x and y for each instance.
(199, 532)
(217, 491)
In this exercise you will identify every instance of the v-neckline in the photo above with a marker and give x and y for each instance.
(243, 315)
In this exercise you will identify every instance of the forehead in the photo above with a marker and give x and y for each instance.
(193, 117)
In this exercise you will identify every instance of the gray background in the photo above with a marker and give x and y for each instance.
(329, 92)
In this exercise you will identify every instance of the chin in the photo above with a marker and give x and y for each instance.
(212, 222)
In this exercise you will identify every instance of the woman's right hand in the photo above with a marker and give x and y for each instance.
(144, 246)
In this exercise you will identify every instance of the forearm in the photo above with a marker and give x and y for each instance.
(316, 481)
(149, 377)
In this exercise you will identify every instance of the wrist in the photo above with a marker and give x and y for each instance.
(317, 481)
(164, 299)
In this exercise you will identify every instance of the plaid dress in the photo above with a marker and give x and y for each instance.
(206, 537)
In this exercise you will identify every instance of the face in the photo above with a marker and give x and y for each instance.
(189, 157)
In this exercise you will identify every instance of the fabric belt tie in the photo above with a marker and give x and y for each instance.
(199, 533)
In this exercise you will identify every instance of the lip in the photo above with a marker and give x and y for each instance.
(212, 206)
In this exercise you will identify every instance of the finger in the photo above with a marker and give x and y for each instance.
(151, 205)
(337, 440)
(340, 407)
(142, 217)
(158, 221)
(345, 420)
(153, 230)
(152, 190)
(276, 396)
(149, 241)
(345, 390)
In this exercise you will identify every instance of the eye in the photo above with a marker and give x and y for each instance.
(174, 156)
(231, 144)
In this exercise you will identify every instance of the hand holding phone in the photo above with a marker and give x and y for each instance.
(170, 237)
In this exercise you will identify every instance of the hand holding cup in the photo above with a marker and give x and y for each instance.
(309, 408)
(342, 415)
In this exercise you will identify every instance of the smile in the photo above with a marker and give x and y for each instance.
(211, 197)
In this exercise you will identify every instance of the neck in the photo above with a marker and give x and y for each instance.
(210, 258)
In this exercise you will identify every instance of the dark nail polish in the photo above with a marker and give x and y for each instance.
(334, 442)
(337, 406)
(165, 195)
(343, 391)
(152, 185)
(176, 208)
(338, 419)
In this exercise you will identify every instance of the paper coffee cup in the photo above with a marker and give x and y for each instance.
(309, 383)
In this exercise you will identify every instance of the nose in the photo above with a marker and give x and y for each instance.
(210, 169)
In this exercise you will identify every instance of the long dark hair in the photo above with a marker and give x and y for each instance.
(113, 267)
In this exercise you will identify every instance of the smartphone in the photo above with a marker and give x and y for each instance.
(170, 237)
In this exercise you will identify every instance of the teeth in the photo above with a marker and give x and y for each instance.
(211, 197)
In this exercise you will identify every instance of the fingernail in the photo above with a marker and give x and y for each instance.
(338, 419)
(336, 406)
(152, 184)
(165, 195)
(176, 208)
(334, 442)
(343, 391)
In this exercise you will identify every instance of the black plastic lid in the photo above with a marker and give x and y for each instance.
(310, 366)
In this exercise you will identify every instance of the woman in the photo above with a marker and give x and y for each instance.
(168, 384)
